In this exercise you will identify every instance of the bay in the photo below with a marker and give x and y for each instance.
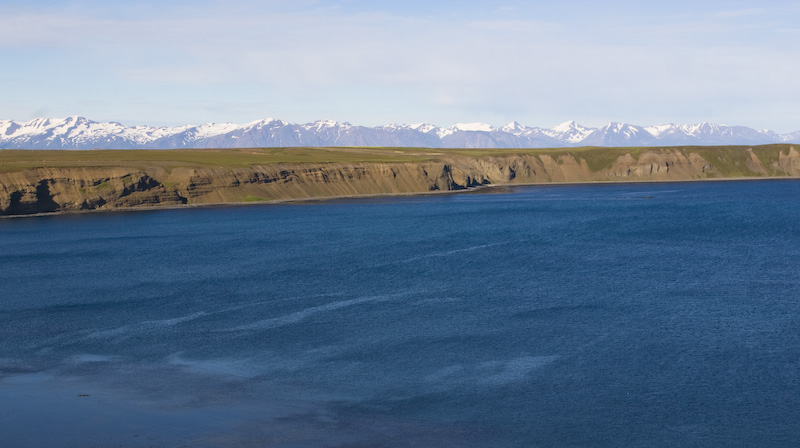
(553, 316)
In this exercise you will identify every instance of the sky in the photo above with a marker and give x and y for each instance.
(374, 62)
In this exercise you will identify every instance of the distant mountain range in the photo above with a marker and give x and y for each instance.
(82, 133)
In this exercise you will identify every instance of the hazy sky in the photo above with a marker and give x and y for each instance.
(540, 63)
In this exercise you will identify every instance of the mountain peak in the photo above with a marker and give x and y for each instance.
(422, 127)
(261, 122)
(513, 128)
(566, 126)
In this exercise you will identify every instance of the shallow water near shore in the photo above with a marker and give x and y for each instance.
(597, 315)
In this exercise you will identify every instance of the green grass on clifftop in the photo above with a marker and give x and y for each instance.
(17, 160)
(730, 160)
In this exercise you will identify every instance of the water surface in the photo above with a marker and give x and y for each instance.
(557, 316)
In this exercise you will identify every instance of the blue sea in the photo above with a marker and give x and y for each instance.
(627, 315)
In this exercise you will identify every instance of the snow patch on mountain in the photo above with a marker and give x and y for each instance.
(472, 127)
(422, 127)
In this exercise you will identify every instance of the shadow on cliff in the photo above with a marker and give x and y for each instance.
(44, 202)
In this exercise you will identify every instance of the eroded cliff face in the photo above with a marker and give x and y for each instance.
(43, 190)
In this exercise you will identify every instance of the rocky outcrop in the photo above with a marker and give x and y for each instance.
(667, 165)
(788, 164)
(60, 189)
(42, 190)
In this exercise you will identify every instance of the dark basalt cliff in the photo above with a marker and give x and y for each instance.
(71, 189)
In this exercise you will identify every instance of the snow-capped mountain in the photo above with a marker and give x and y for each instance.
(620, 134)
(570, 132)
(81, 133)
(730, 135)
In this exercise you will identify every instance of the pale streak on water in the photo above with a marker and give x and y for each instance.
(592, 316)
(304, 314)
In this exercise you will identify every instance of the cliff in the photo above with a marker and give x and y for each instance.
(174, 178)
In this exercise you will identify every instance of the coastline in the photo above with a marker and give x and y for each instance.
(480, 189)
(69, 182)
